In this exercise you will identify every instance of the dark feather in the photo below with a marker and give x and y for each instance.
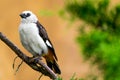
(43, 34)
(54, 66)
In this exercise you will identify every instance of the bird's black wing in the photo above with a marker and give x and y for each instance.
(43, 34)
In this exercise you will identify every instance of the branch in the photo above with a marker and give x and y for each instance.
(37, 66)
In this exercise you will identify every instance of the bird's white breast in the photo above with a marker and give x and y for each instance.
(31, 39)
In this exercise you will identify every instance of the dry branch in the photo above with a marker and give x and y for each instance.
(37, 66)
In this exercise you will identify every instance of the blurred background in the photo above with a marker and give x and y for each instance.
(62, 32)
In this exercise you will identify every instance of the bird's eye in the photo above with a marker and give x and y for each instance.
(28, 14)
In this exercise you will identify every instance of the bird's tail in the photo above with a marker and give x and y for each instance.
(54, 66)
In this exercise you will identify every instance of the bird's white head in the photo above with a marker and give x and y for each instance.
(28, 17)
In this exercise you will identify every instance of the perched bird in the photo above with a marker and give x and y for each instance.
(34, 38)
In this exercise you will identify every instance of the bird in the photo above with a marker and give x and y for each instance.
(35, 40)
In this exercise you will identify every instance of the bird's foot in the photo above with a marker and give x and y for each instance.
(35, 59)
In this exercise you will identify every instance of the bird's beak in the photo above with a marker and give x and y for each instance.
(22, 15)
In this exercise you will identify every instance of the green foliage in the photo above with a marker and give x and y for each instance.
(105, 49)
(59, 78)
(46, 13)
(102, 42)
(96, 13)
(72, 78)
(86, 7)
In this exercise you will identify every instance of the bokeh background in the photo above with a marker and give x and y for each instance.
(59, 30)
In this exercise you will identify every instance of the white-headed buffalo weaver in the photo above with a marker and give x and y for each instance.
(34, 38)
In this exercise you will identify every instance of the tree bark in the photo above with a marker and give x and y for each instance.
(37, 66)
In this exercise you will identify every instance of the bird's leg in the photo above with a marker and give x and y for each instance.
(35, 59)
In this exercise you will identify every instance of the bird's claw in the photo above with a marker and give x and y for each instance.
(35, 59)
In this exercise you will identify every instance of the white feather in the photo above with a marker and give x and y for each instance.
(48, 43)
(30, 38)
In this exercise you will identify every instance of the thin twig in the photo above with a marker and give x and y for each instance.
(40, 76)
(44, 69)
(14, 61)
(18, 67)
